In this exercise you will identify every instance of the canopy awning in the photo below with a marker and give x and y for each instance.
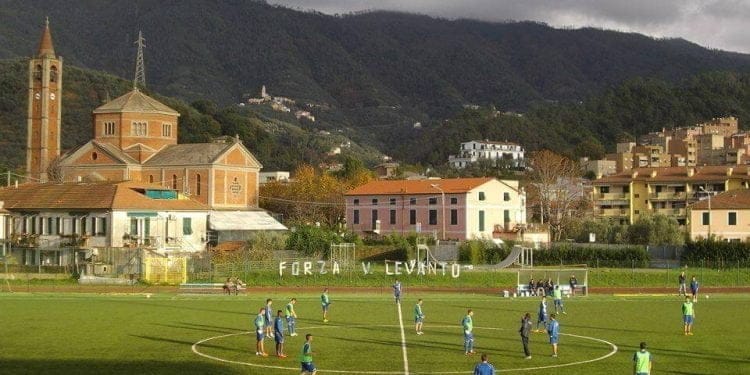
(243, 220)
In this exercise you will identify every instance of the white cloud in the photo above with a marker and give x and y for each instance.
(711, 23)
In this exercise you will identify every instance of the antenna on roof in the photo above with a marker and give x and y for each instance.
(140, 71)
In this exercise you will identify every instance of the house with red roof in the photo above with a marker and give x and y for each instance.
(457, 209)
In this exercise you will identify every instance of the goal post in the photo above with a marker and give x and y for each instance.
(344, 254)
(560, 276)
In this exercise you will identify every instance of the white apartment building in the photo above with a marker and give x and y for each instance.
(474, 151)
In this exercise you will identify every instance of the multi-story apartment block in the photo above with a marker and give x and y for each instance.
(627, 196)
(473, 151)
(598, 167)
(461, 208)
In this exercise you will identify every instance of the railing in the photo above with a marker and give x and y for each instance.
(671, 211)
(611, 196)
(614, 212)
(671, 195)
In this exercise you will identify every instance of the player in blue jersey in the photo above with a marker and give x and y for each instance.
(278, 335)
(542, 316)
(467, 323)
(484, 367)
(306, 360)
(269, 319)
(418, 317)
(397, 291)
(259, 324)
(291, 317)
(325, 302)
(694, 288)
(553, 330)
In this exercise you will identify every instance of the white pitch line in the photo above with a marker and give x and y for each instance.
(403, 338)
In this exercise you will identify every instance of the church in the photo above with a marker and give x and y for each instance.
(135, 142)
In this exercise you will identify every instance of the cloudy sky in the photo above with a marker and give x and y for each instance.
(721, 24)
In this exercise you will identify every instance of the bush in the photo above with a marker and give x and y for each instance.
(481, 252)
(603, 256)
(709, 249)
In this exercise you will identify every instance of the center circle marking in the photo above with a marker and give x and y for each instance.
(198, 352)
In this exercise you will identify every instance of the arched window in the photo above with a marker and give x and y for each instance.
(150, 179)
(197, 184)
(38, 72)
(53, 74)
(174, 181)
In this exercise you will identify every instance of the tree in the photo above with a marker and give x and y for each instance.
(555, 190)
(657, 230)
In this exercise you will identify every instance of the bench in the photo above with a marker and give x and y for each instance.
(202, 288)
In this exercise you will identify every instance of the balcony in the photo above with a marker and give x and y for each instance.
(668, 195)
(611, 196)
(611, 212)
(671, 211)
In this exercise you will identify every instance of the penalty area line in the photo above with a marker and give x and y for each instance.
(403, 338)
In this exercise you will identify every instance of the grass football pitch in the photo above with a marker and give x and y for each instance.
(132, 334)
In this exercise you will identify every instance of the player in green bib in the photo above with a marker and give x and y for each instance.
(325, 302)
(688, 315)
(642, 361)
(305, 357)
(557, 296)
(291, 317)
(418, 317)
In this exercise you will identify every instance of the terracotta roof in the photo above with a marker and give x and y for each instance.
(188, 153)
(230, 246)
(137, 102)
(91, 196)
(45, 44)
(732, 199)
(678, 174)
(397, 187)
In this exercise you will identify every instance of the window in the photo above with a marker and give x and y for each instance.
(53, 74)
(50, 226)
(433, 217)
(133, 226)
(174, 181)
(197, 184)
(481, 195)
(109, 128)
(412, 217)
(706, 218)
(139, 128)
(454, 217)
(84, 226)
(412, 201)
(101, 226)
(58, 226)
(481, 221)
(732, 219)
(392, 201)
(147, 226)
(392, 220)
(374, 218)
(374, 202)
(626, 189)
(355, 219)
(166, 130)
(433, 201)
(355, 202)
(187, 226)
(150, 179)
(454, 200)
(506, 216)
(604, 189)
(506, 196)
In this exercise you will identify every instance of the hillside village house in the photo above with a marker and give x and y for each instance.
(462, 208)
(52, 224)
(474, 151)
(135, 139)
(626, 196)
(725, 216)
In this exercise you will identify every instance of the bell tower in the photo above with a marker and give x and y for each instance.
(44, 110)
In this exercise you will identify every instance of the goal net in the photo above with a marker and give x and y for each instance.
(344, 254)
(172, 270)
(559, 276)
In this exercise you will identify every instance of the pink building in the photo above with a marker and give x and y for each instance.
(461, 208)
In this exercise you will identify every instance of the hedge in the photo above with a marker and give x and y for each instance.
(712, 250)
